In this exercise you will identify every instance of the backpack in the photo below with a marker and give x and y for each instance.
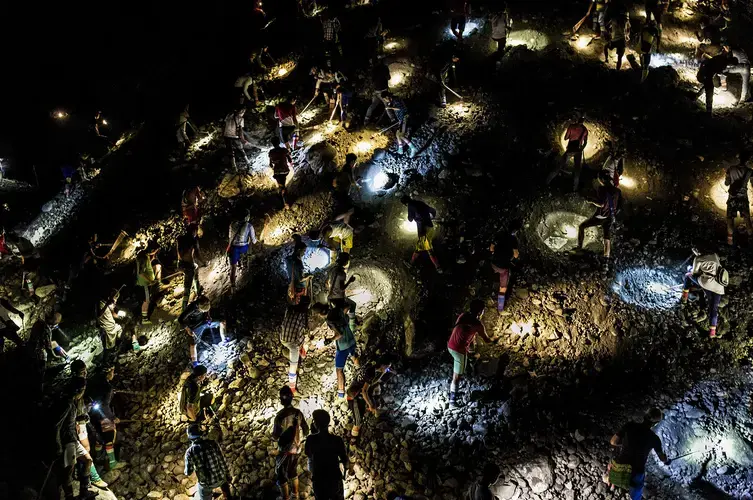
(722, 276)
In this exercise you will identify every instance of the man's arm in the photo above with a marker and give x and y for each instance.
(197, 252)
(277, 428)
(660, 452)
(727, 178)
(253, 234)
(188, 469)
(304, 425)
(246, 84)
(192, 410)
(342, 455)
(369, 403)
(483, 335)
(616, 440)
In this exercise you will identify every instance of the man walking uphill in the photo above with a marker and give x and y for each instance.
(504, 251)
(737, 178)
(326, 452)
(576, 136)
(205, 457)
(637, 439)
(289, 427)
(467, 326)
(422, 214)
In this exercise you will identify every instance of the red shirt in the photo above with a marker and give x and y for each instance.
(577, 132)
(464, 333)
(284, 111)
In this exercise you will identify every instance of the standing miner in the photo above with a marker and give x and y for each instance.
(608, 202)
(737, 178)
(423, 215)
(504, 250)
(467, 326)
(289, 428)
(628, 470)
(281, 163)
(241, 235)
(189, 260)
(576, 136)
(707, 274)
(650, 42)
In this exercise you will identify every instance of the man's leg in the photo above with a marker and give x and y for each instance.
(731, 225)
(577, 167)
(376, 100)
(709, 89)
(222, 326)
(225, 488)
(145, 306)
(188, 280)
(356, 411)
(442, 95)
(293, 358)
(748, 225)
(636, 486)
(65, 479)
(504, 279)
(458, 368)
(233, 268)
(620, 54)
(713, 300)
(688, 282)
(340, 382)
(645, 64)
(192, 346)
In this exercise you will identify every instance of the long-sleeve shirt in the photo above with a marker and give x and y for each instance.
(422, 214)
(501, 25)
(295, 325)
(241, 233)
(705, 269)
(205, 457)
(65, 423)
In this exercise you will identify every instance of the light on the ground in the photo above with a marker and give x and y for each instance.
(627, 182)
(408, 226)
(363, 147)
(202, 141)
(460, 108)
(379, 181)
(469, 27)
(723, 99)
(719, 194)
(372, 290)
(391, 45)
(104, 122)
(685, 67)
(534, 40)
(361, 296)
(649, 288)
(396, 79)
(583, 42)
(559, 231)
(522, 328)
(121, 314)
(282, 72)
(316, 138)
(570, 231)
(60, 115)
(316, 258)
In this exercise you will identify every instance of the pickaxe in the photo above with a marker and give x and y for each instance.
(453, 92)
(307, 105)
(384, 130)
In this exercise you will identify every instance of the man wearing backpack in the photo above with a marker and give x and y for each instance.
(707, 274)
(737, 178)
(628, 470)
(290, 425)
(608, 200)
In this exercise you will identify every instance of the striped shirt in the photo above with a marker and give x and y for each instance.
(294, 325)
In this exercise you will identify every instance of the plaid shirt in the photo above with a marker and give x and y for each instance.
(205, 457)
(294, 326)
(331, 28)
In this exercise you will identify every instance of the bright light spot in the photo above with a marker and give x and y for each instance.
(380, 180)
(583, 42)
(361, 296)
(723, 99)
(316, 138)
(408, 226)
(523, 328)
(60, 115)
(121, 314)
(648, 288)
(391, 45)
(641, 12)
(363, 147)
(627, 182)
(372, 289)
(104, 122)
(120, 141)
(570, 231)
(396, 79)
(202, 141)
(534, 40)
(319, 344)
(719, 194)
(308, 115)
(282, 72)
(277, 232)
(460, 108)
(315, 258)
(469, 26)
(685, 67)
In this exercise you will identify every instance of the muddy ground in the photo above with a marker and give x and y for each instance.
(578, 351)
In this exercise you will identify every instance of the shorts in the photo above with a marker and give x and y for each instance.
(280, 179)
(72, 452)
(286, 133)
(459, 361)
(286, 467)
(738, 205)
(424, 243)
(342, 356)
(236, 252)
(144, 293)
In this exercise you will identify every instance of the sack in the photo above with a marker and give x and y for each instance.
(620, 474)
(722, 276)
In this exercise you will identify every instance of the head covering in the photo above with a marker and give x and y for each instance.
(194, 431)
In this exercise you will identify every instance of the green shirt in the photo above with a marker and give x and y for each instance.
(144, 266)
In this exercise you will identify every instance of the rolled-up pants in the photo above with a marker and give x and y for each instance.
(712, 298)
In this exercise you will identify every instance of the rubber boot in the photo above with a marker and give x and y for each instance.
(501, 302)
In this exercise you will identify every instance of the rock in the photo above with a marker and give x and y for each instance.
(154, 494)
(539, 474)
(578, 436)
(505, 491)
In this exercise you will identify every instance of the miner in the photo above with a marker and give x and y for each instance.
(501, 23)
(738, 177)
(294, 332)
(380, 78)
(287, 123)
(235, 137)
(628, 470)
(241, 236)
(460, 10)
(189, 402)
(195, 320)
(443, 63)
(184, 120)
(337, 236)
(289, 429)
(742, 68)
(343, 181)
(467, 326)
(337, 284)
(608, 198)
(400, 110)
(481, 489)
(362, 391)
(109, 329)
(300, 283)
(710, 70)
(614, 165)
(650, 40)
(504, 251)
(423, 215)
(148, 274)
(190, 202)
(326, 80)
(242, 83)
(326, 453)
(707, 274)
(331, 29)
(599, 8)
(344, 95)
(204, 456)
(340, 322)
(102, 414)
(576, 136)
(281, 163)
(618, 36)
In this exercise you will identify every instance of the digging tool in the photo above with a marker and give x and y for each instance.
(580, 23)
(685, 455)
(132, 420)
(170, 276)
(132, 393)
(307, 105)
(453, 92)
(118, 240)
(46, 478)
(384, 130)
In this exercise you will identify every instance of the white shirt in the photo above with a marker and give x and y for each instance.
(705, 267)
(241, 233)
(244, 82)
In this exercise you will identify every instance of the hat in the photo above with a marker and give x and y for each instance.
(194, 431)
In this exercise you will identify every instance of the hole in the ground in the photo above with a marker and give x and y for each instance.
(648, 288)
(559, 231)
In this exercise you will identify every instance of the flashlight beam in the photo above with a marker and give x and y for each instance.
(385, 129)
(307, 105)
